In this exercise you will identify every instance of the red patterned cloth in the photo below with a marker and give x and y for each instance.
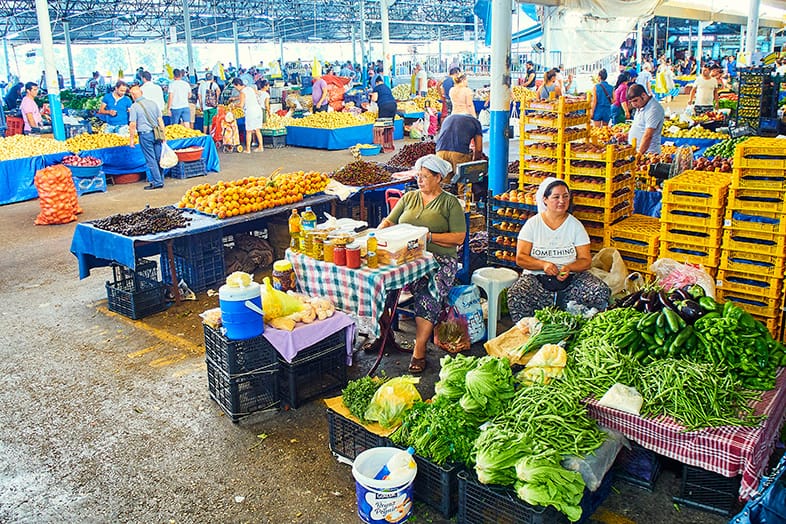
(728, 450)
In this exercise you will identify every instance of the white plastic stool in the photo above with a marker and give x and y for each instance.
(493, 280)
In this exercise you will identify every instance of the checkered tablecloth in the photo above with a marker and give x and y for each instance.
(359, 292)
(729, 450)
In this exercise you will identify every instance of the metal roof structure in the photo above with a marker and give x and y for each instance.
(94, 21)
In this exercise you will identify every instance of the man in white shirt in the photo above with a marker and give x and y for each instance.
(647, 122)
(704, 92)
(207, 100)
(177, 104)
(152, 91)
(645, 77)
(421, 81)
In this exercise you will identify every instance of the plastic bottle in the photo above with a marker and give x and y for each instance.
(308, 222)
(371, 252)
(398, 466)
(468, 197)
(295, 231)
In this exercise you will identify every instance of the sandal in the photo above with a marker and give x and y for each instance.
(417, 365)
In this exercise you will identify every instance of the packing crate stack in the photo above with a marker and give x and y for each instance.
(507, 213)
(637, 238)
(602, 182)
(754, 236)
(692, 218)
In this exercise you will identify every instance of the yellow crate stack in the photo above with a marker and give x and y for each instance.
(637, 238)
(602, 183)
(753, 257)
(542, 150)
(691, 220)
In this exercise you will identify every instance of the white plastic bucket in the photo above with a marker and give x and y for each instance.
(381, 501)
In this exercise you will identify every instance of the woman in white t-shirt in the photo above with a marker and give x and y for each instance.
(553, 251)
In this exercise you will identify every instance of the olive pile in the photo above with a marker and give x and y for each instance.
(149, 221)
(411, 152)
(361, 173)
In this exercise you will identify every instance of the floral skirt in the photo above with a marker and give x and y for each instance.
(425, 304)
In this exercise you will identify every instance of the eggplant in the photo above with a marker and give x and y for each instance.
(630, 300)
(689, 310)
(665, 300)
(679, 294)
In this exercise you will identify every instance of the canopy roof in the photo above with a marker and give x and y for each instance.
(93, 21)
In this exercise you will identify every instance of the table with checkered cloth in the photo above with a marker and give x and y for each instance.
(728, 450)
(360, 292)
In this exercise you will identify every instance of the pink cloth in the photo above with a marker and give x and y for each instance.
(28, 105)
(290, 343)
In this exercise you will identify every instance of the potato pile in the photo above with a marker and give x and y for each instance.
(324, 120)
(314, 308)
(86, 141)
(23, 146)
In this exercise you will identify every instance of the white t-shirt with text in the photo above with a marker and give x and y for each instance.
(553, 245)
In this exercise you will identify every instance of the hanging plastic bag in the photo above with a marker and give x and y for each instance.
(452, 333)
(608, 265)
(276, 303)
(768, 504)
(485, 118)
(168, 157)
(56, 195)
(392, 400)
(416, 130)
(514, 121)
(466, 301)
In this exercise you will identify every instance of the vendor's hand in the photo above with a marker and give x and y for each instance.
(563, 274)
(551, 269)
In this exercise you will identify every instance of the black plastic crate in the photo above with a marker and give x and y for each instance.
(238, 356)
(638, 466)
(199, 260)
(135, 303)
(145, 276)
(244, 394)
(314, 371)
(488, 504)
(348, 439)
(708, 491)
(437, 486)
(188, 169)
(276, 142)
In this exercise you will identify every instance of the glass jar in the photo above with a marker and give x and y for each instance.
(327, 250)
(340, 256)
(353, 256)
(283, 276)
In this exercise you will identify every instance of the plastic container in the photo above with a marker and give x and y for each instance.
(398, 466)
(400, 243)
(189, 154)
(240, 321)
(295, 232)
(283, 276)
(381, 501)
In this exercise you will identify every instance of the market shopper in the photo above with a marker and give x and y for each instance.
(14, 96)
(143, 116)
(320, 95)
(114, 108)
(461, 97)
(421, 80)
(152, 91)
(31, 114)
(208, 95)
(549, 89)
(704, 91)
(177, 103)
(253, 112)
(431, 207)
(444, 91)
(645, 77)
(601, 101)
(619, 105)
(263, 97)
(553, 250)
(96, 83)
(647, 122)
(460, 140)
(530, 77)
(383, 97)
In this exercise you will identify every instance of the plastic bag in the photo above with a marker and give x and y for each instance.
(485, 117)
(392, 399)
(168, 157)
(608, 265)
(276, 303)
(768, 504)
(594, 466)
(56, 195)
(416, 130)
(466, 301)
(514, 122)
(452, 333)
(672, 274)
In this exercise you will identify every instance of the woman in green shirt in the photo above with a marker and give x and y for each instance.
(442, 214)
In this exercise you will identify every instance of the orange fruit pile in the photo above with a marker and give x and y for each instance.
(252, 194)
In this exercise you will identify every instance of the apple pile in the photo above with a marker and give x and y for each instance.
(81, 161)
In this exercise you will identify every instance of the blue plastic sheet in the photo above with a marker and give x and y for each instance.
(647, 203)
(398, 129)
(16, 177)
(341, 138)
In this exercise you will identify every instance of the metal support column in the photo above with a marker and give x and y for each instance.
(752, 29)
(499, 104)
(67, 35)
(47, 47)
(383, 8)
(189, 48)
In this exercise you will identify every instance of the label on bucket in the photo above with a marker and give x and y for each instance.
(379, 507)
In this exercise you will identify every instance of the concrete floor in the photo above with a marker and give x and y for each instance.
(103, 419)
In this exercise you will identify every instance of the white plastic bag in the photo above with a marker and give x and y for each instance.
(416, 130)
(466, 301)
(485, 118)
(672, 274)
(514, 122)
(168, 157)
(608, 265)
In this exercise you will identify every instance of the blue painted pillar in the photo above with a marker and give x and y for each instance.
(499, 103)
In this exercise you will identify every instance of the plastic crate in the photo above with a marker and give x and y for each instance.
(145, 276)
(275, 141)
(638, 466)
(544, 151)
(607, 216)
(199, 260)
(757, 200)
(611, 153)
(768, 179)
(88, 185)
(437, 486)
(708, 491)
(678, 213)
(560, 121)
(700, 188)
(14, 125)
(637, 262)
(282, 131)
(242, 395)
(754, 242)
(692, 234)
(761, 146)
(348, 439)
(750, 283)
(314, 371)
(774, 325)
(595, 229)
(238, 356)
(598, 168)
(771, 266)
(602, 199)
(753, 304)
(579, 182)
(188, 169)
(541, 167)
(763, 221)
(690, 253)
(489, 504)
(135, 303)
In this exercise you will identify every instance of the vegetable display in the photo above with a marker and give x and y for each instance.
(358, 394)
(145, 222)
(361, 173)
(411, 152)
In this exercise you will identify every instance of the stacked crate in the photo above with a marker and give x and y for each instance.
(602, 184)
(754, 237)
(637, 238)
(691, 230)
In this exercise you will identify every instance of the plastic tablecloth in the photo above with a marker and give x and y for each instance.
(16, 176)
(341, 138)
(647, 203)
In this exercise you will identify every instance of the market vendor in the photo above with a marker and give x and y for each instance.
(553, 250)
(431, 207)
(29, 109)
(647, 122)
(455, 136)
(114, 108)
(704, 92)
(383, 97)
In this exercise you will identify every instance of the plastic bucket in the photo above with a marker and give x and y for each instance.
(381, 501)
(239, 321)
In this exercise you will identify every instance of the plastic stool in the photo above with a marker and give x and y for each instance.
(493, 280)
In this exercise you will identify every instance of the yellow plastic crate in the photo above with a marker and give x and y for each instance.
(560, 105)
(606, 216)
(548, 167)
(637, 227)
(533, 178)
(545, 151)
(749, 283)
(679, 213)
(690, 253)
(743, 199)
(594, 229)
(649, 249)
(769, 179)
(774, 325)
(601, 199)
(599, 168)
(692, 233)
(755, 305)
(637, 262)
(560, 122)
(761, 146)
(697, 188)
(754, 242)
(753, 263)
(763, 221)
(611, 153)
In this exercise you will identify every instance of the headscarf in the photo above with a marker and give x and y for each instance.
(434, 164)
(540, 196)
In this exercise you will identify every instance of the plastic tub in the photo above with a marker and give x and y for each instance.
(189, 154)
(381, 501)
(370, 151)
